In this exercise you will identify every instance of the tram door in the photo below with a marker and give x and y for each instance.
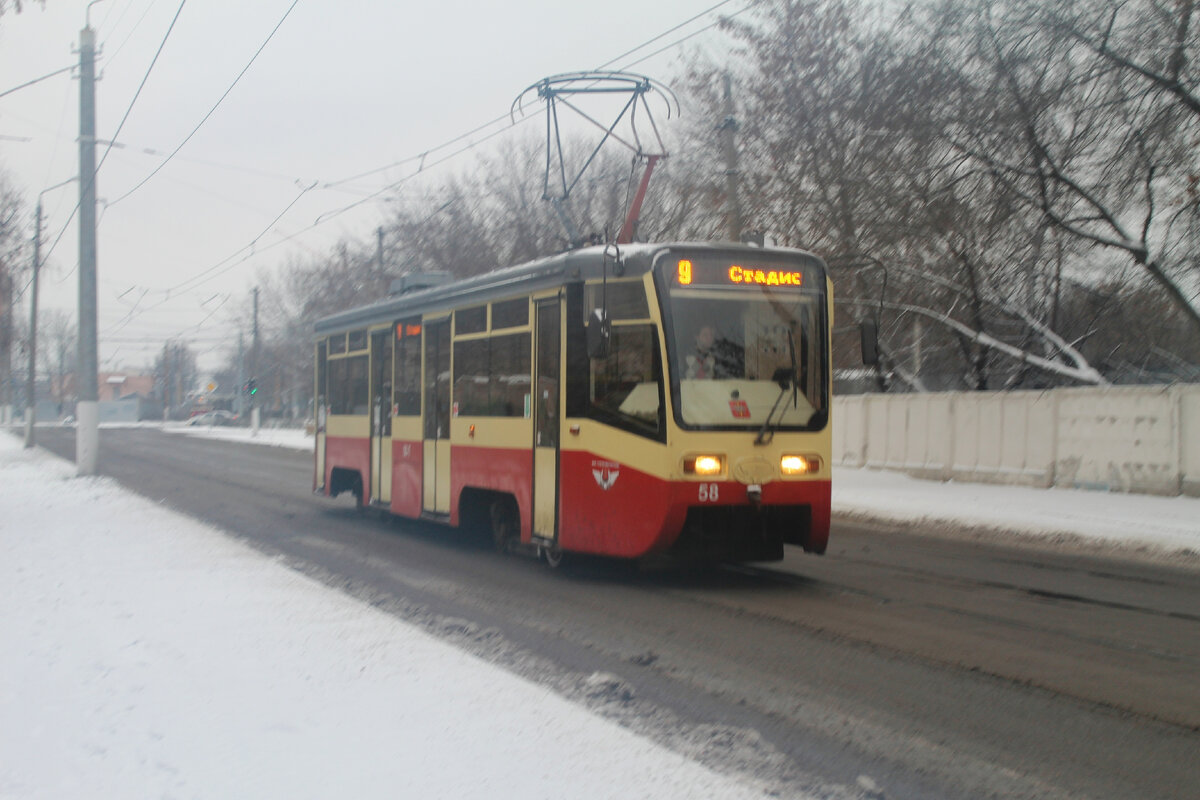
(381, 416)
(436, 435)
(546, 417)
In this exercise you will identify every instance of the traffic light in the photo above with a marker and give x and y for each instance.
(252, 387)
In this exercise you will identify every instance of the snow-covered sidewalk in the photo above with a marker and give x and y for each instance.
(1161, 527)
(143, 654)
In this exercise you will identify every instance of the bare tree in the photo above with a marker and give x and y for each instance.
(15, 6)
(176, 373)
(1098, 139)
(846, 116)
(13, 266)
(58, 337)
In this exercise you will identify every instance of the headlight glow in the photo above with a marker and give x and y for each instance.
(704, 465)
(799, 465)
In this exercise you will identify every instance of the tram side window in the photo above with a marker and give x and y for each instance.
(625, 386)
(510, 313)
(470, 320)
(510, 370)
(626, 300)
(471, 377)
(348, 386)
(492, 376)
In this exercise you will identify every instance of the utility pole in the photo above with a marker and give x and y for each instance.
(166, 381)
(379, 249)
(30, 389)
(255, 418)
(240, 409)
(30, 394)
(87, 411)
(728, 127)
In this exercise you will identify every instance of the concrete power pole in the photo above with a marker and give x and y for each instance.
(166, 381)
(87, 413)
(255, 414)
(728, 127)
(30, 393)
(240, 406)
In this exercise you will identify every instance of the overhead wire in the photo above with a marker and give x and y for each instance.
(37, 80)
(227, 264)
(503, 117)
(390, 187)
(667, 32)
(216, 105)
(128, 110)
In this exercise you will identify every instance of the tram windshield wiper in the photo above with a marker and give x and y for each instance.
(787, 379)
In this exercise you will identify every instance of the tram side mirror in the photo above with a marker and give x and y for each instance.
(869, 334)
(599, 334)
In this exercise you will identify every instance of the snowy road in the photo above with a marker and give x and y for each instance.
(937, 668)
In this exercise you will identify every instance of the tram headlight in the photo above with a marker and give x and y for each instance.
(704, 465)
(799, 464)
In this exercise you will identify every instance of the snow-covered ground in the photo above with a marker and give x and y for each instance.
(144, 654)
(1163, 528)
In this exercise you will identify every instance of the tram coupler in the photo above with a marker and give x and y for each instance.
(754, 494)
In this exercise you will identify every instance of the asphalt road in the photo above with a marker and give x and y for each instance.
(897, 665)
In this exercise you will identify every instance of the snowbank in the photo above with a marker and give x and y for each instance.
(1130, 523)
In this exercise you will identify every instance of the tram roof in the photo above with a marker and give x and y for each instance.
(575, 265)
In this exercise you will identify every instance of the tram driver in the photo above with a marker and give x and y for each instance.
(713, 356)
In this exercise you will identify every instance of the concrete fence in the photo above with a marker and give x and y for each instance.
(1127, 439)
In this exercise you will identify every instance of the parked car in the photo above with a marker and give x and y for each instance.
(211, 418)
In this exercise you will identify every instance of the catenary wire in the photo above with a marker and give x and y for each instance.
(216, 105)
(216, 270)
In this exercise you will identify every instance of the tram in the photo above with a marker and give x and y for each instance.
(615, 401)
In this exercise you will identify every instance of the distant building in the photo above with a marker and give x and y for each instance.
(123, 385)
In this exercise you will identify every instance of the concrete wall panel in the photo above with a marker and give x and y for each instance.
(1131, 439)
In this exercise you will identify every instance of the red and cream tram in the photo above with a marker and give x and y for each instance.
(618, 402)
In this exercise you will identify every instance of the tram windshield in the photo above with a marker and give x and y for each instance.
(748, 357)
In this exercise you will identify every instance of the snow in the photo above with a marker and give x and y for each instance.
(273, 437)
(1161, 527)
(144, 654)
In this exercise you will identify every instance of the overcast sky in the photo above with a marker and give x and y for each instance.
(341, 89)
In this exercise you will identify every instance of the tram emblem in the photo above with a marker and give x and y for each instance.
(605, 473)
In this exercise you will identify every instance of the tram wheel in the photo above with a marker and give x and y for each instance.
(503, 517)
(554, 556)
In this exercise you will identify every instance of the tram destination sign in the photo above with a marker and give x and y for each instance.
(706, 271)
